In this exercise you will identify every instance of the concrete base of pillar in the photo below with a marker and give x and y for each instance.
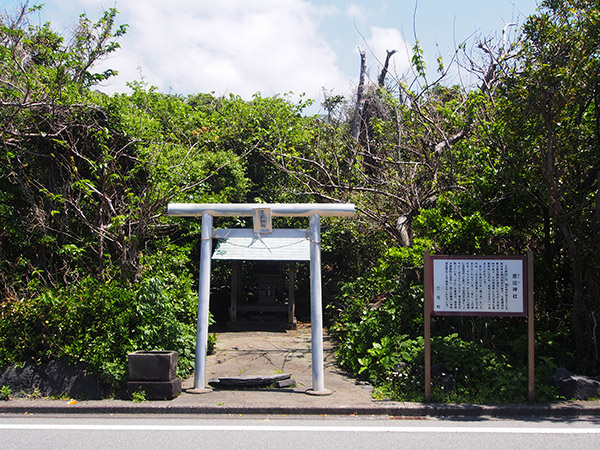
(321, 392)
(198, 390)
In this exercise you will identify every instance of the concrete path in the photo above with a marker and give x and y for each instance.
(268, 353)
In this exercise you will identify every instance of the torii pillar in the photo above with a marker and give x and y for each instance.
(312, 210)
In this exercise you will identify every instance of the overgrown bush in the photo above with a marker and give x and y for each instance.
(98, 323)
(384, 303)
(379, 337)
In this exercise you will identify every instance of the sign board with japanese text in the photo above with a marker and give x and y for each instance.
(478, 286)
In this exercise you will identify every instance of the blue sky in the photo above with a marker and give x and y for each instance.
(277, 46)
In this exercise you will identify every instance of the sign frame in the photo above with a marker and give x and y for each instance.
(436, 308)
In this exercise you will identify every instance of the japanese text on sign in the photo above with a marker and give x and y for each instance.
(478, 286)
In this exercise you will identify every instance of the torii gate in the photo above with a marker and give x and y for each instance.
(262, 214)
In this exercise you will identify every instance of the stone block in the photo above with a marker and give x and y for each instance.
(155, 390)
(285, 383)
(152, 365)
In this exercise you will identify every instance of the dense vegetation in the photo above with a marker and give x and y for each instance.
(88, 258)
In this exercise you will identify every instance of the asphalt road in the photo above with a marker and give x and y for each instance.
(241, 433)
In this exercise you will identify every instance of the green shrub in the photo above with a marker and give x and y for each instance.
(98, 324)
(377, 309)
(379, 337)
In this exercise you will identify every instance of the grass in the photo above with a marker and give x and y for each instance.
(5, 393)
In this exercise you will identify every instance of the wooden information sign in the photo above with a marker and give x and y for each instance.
(478, 286)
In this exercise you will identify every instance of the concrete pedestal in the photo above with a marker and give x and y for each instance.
(156, 390)
(152, 365)
(155, 373)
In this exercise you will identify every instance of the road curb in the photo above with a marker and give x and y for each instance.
(393, 410)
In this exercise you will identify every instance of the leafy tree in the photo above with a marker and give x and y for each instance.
(254, 130)
(58, 154)
(87, 260)
(87, 177)
(549, 104)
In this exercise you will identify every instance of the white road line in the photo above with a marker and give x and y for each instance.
(300, 428)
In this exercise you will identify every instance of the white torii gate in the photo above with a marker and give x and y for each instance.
(259, 211)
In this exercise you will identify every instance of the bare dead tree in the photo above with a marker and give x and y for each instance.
(384, 71)
(359, 96)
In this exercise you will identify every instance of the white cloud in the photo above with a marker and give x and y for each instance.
(383, 39)
(267, 46)
(355, 11)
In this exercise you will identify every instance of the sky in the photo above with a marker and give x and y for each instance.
(276, 47)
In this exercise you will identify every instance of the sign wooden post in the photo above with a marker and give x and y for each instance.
(478, 286)
(530, 330)
(427, 324)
